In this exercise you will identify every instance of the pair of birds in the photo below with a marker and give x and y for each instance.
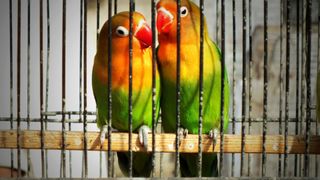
(165, 82)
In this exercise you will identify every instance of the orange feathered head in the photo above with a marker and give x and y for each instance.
(167, 19)
(142, 33)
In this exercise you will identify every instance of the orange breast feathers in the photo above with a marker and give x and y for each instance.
(141, 68)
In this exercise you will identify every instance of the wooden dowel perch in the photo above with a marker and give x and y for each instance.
(164, 142)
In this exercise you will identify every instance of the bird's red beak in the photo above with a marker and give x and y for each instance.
(164, 20)
(144, 34)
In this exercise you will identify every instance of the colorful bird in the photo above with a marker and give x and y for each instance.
(141, 84)
(189, 80)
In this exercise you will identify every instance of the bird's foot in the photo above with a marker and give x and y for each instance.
(213, 134)
(103, 132)
(182, 134)
(143, 135)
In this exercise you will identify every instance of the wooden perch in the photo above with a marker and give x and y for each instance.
(164, 142)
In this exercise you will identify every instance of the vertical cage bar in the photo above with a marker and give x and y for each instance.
(97, 37)
(100, 162)
(98, 20)
(154, 90)
(131, 10)
(80, 74)
(250, 79)
(28, 86)
(70, 152)
(80, 60)
(85, 140)
(308, 81)
(287, 86)
(281, 83)
(287, 83)
(11, 82)
(19, 87)
(217, 22)
(109, 87)
(265, 85)
(297, 82)
(302, 75)
(63, 153)
(318, 69)
(161, 153)
(233, 79)
(178, 98)
(47, 82)
(115, 6)
(200, 89)
(43, 169)
(244, 83)
(222, 87)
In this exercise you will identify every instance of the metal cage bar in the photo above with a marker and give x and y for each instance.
(11, 81)
(233, 78)
(297, 82)
(281, 83)
(303, 86)
(47, 84)
(98, 19)
(265, 83)
(19, 87)
(70, 152)
(63, 152)
(222, 110)
(28, 85)
(201, 92)
(81, 59)
(154, 93)
(217, 22)
(287, 84)
(43, 160)
(244, 83)
(110, 86)
(97, 37)
(318, 69)
(250, 79)
(178, 94)
(131, 10)
(308, 82)
(115, 6)
(85, 96)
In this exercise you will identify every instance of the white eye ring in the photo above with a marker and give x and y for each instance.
(183, 11)
(122, 31)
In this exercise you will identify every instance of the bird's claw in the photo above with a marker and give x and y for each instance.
(182, 134)
(103, 132)
(143, 135)
(213, 134)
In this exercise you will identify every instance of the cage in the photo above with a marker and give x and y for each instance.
(270, 49)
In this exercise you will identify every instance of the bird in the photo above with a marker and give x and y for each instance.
(141, 85)
(189, 80)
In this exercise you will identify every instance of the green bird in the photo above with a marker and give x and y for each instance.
(189, 80)
(141, 85)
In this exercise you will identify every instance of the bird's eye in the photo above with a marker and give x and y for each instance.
(122, 31)
(183, 11)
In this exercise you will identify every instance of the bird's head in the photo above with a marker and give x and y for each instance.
(142, 33)
(167, 18)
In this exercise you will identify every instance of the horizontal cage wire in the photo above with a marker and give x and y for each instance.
(268, 54)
